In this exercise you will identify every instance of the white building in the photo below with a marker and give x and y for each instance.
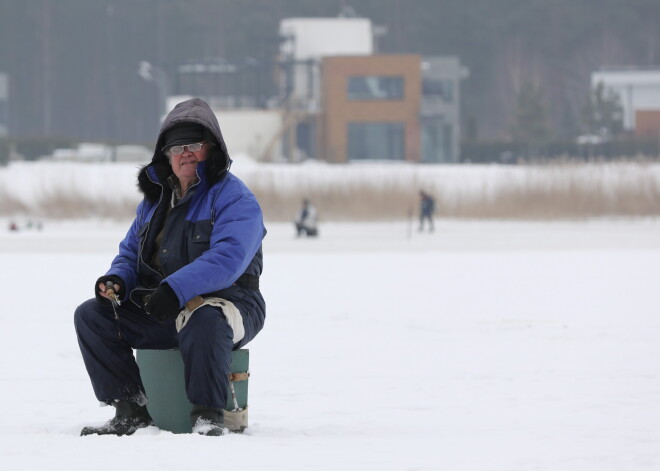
(4, 104)
(639, 90)
(307, 40)
(251, 132)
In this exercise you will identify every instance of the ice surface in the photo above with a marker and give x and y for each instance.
(483, 346)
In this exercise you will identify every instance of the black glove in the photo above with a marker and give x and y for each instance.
(115, 281)
(163, 303)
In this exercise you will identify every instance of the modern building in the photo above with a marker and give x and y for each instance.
(4, 104)
(390, 107)
(343, 102)
(440, 108)
(305, 42)
(647, 124)
(336, 99)
(371, 108)
(638, 89)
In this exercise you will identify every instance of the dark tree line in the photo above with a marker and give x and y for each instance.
(73, 64)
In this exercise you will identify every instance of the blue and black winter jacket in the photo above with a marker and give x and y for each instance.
(211, 241)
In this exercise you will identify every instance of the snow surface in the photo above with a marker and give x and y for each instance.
(483, 346)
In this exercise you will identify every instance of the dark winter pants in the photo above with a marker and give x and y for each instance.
(428, 217)
(106, 345)
(303, 230)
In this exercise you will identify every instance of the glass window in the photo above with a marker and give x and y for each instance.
(436, 141)
(376, 141)
(369, 87)
(438, 88)
(3, 115)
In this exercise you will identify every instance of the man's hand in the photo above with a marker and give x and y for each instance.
(163, 304)
(100, 287)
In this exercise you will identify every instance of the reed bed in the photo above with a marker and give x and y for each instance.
(362, 192)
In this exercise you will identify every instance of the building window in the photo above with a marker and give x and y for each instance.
(3, 118)
(369, 87)
(376, 141)
(443, 89)
(436, 141)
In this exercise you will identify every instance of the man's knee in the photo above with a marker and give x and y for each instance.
(90, 316)
(206, 322)
(83, 312)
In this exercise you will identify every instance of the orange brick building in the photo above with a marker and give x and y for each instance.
(370, 108)
(647, 123)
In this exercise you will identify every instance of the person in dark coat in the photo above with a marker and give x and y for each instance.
(426, 210)
(186, 277)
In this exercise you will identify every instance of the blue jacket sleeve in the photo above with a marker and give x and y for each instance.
(125, 263)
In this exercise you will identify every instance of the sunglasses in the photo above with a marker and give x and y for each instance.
(178, 150)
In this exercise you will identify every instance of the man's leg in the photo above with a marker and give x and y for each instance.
(206, 344)
(107, 347)
(108, 357)
(105, 343)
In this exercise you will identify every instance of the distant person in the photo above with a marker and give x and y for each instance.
(186, 277)
(307, 220)
(427, 208)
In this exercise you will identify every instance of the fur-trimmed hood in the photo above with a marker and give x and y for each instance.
(217, 162)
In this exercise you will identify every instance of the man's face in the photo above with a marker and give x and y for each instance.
(184, 165)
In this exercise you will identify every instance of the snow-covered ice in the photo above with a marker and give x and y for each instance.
(483, 346)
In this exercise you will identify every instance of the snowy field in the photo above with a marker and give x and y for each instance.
(484, 346)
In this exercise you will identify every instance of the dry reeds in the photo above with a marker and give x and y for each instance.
(540, 192)
(386, 192)
(68, 204)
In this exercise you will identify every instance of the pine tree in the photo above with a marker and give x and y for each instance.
(603, 113)
(529, 125)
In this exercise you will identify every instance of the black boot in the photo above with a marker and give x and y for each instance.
(207, 421)
(129, 417)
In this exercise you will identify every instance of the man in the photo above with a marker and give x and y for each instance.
(186, 276)
(427, 208)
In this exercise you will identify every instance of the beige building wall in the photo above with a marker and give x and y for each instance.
(338, 110)
(647, 124)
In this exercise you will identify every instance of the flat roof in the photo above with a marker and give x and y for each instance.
(627, 76)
